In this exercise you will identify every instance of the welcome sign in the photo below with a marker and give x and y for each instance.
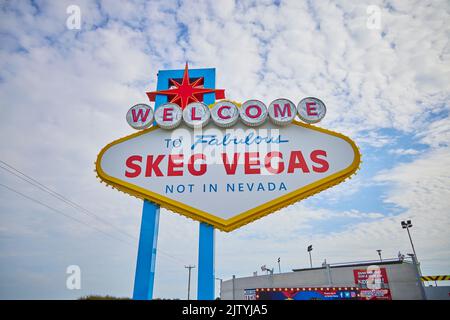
(228, 177)
(226, 164)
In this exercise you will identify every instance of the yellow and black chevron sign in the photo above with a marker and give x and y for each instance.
(435, 278)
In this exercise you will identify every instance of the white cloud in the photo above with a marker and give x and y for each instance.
(437, 134)
(421, 188)
(403, 152)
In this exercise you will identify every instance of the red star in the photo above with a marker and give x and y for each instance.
(186, 92)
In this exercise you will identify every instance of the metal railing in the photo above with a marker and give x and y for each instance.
(340, 264)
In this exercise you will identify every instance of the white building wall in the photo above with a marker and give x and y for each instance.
(402, 281)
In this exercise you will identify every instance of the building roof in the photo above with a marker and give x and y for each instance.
(356, 264)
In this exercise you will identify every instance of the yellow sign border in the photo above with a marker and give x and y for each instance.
(247, 216)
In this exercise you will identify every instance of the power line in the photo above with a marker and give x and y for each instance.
(73, 204)
(60, 197)
(79, 221)
(60, 212)
(169, 256)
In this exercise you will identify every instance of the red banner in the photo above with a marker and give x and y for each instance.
(373, 282)
(370, 276)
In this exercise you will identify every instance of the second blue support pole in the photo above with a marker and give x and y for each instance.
(206, 275)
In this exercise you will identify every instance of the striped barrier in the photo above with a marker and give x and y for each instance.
(435, 278)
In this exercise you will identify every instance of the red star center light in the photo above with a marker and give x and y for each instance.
(186, 92)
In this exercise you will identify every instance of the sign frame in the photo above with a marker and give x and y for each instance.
(244, 217)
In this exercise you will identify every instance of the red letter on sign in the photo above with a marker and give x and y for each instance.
(310, 110)
(167, 114)
(297, 161)
(219, 112)
(256, 115)
(277, 110)
(191, 168)
(230, 168)
(315, 158)
(172, 165)
(153, 166)
(140, 114)
(268, 162)
(252, 159)
(193, 117)
(135, 167)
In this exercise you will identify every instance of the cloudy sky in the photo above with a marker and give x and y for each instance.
(381, 67)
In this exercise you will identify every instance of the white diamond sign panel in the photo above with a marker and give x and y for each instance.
(228, 177)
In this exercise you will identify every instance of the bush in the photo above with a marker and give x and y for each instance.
(97, 297)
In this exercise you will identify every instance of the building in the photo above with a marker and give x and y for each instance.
(395, 279)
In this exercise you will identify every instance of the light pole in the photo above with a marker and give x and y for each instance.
(406, 225)
(189, 280)
(379, 253)
(309, 251)
(279, 265)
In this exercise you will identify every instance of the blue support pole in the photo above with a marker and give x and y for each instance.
(146, 260)
(206, 275)
(144, 277)
(145, 266)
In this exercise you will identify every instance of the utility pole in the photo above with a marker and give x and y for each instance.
(279, 265)
(189, 280)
